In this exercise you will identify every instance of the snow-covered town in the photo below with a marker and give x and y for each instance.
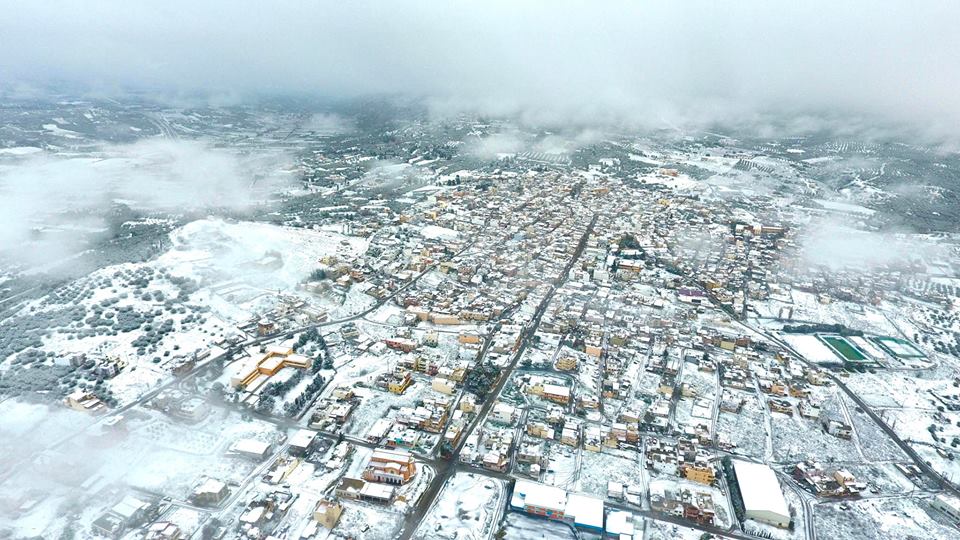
(626, 351)
(375, 318)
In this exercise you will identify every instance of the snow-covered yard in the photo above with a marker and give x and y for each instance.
(896, 519)
(465, 509)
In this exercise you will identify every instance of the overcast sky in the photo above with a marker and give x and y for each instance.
(576, 61)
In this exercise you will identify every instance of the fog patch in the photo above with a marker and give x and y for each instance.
(51, 202)
(329, 125)
(839, 246)
(495, 146)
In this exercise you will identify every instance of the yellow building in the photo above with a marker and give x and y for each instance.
(85, 402)
(567, 363)
(444, 386)
(700, 472)
(467, 404)
(539, 429)
(275, 359)
(468, 337)
(445, 318)
(327, 513)
(399, 383)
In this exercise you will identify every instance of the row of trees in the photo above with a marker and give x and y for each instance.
(292, 408)
(821, 328)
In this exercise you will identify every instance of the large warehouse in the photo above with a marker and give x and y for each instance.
(760, 491)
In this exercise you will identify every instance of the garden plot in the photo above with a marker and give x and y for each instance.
(537, 358)
(358, 462)
(355, 301)
(895, 519)
(691, 412)
(806, 307)
(947, 465)
(388, 313)
(702, 382)
(588, 376)
(648, 383)
(409, 493)
(747, 430)
(466, 509)
(257, 256)
(187, 519)
(598, 468)
(374, 331)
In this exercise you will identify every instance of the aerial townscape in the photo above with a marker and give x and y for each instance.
(301, 317)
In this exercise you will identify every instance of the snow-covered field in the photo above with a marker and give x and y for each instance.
(244, 262)
(98, 466)
(216, 274)
(465, 509)
(523, 527)
(747, 429)
(796, 438)
(896, 519)
(598, 468)
(811, 348)
(561, 470)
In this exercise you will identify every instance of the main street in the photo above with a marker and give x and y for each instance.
(445, 469)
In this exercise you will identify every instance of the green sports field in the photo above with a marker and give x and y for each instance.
(843, 348)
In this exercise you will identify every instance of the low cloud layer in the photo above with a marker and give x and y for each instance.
(650, 63)
(836, 246)
(40, 192)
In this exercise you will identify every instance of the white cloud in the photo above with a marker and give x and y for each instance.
(71, 193)
(565, 62)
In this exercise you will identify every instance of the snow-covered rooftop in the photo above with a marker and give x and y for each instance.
(760, 488)
(585, 510)
(526, 493)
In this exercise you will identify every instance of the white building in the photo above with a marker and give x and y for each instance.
(251, 448)
(585, 512)
(539, 499)
(760, 490)
(302, 441)
(503, 413)
(948, 505)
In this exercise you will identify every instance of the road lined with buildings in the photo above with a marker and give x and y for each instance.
(415, 517)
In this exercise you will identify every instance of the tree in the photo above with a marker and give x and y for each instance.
(210, 529)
